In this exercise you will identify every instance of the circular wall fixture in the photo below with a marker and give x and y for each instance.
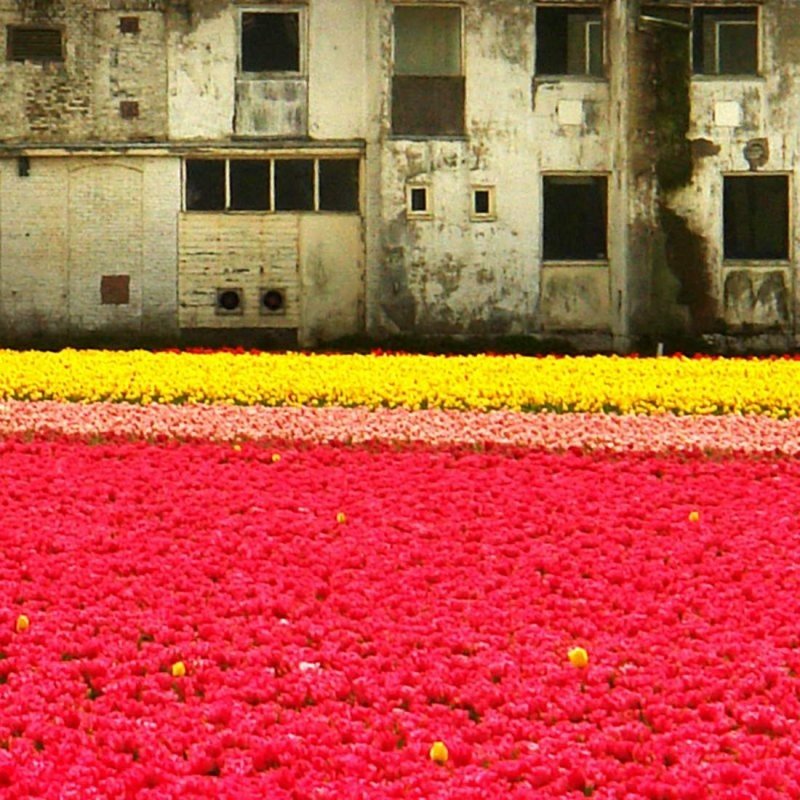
(229, 300)
(272, 300)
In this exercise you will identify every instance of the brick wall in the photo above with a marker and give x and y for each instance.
(78, 99)
(73, 222)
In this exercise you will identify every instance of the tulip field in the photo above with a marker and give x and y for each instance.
(241, 575)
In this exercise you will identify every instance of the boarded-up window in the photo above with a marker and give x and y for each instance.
(756, 217)
(725, 41)
(205, 185)
(294, 184)
(427, 87)
(270, 41)
(249, 185)
(25, 43)
(338, 184)
(569, 41)
(115, 290)
(575, 218)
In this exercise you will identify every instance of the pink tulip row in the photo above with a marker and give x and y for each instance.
(717, 434)
(340, 609)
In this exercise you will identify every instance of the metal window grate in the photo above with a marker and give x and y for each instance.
(34, 44)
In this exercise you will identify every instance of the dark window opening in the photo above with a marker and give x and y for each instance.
(129, 25)
(249, 185)
(34, 44)
(418, 199)
(270, 41)
(338, 185)
(725, 41)
(569, 41)
(575, 218)
(205, 185)
(756, 217)
(481, 202)
(294, 184)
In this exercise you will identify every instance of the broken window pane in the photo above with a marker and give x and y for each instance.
(26, 43)
(756, 216)
(427, 40)
(270, 41)
(338, 185)
(725, 41)
(249, 185)
(205, 185)
(569, 41)
(294, 184)
(575, 218)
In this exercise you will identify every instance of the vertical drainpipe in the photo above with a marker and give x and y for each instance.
(621, 17)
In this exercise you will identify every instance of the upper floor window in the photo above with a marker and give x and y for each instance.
(428, 83)
(725, 40)
(27, 43)
(271, 41)
(569, 40)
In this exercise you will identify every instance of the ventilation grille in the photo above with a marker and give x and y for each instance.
(34, 44)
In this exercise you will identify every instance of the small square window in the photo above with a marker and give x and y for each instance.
(26, 43)
(270, 41)
(418, 201)
(569, 41)
(575, 218)
(725, 41)
(755, 214)
(482, 203)
(129, 25)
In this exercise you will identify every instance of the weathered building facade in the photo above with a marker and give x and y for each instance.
(600, 171)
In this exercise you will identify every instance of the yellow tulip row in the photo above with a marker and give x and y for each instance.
(580, 384)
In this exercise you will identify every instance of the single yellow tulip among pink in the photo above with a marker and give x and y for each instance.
(22, 624)
(694, 516)
(341, 517)
(438, 752)
(178, 669)
(578, 657)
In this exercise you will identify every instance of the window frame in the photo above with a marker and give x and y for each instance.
(757, 23)
(302, 43)
(565, 260)
(733, 261)
(491, 214)
(270, 161)
(427, 212)
(579, 10)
